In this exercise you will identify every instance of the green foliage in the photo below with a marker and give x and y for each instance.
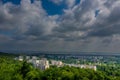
(72, 73)
(11, 69)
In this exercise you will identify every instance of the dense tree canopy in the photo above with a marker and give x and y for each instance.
(11, 69)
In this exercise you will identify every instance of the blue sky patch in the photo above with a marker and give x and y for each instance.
(13, 1)
(52, 8)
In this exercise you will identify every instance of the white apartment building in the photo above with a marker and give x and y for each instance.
(56, 63)
(89, 67)
(41, 64)
(83, 66)
(20, 58)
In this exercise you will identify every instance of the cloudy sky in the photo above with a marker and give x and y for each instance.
(60, 25)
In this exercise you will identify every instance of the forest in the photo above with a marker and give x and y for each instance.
(11, 69)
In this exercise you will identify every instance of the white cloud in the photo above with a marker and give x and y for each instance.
(70, 3)
(25, 18)
(77, 29)
(57, 1)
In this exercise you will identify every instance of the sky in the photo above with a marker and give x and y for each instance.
(60, 25)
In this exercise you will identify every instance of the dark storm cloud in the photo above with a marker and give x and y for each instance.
(109, 25)
(25, 19)
(78, 28)
(82, 19)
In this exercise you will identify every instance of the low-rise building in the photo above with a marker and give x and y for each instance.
(56, 63)
(89, 67)
(20, 58)
(83, 66)
(27, 57)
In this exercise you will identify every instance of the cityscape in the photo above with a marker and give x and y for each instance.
(42, 66)
(59, 39)
(44, 61)
(45, 64)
